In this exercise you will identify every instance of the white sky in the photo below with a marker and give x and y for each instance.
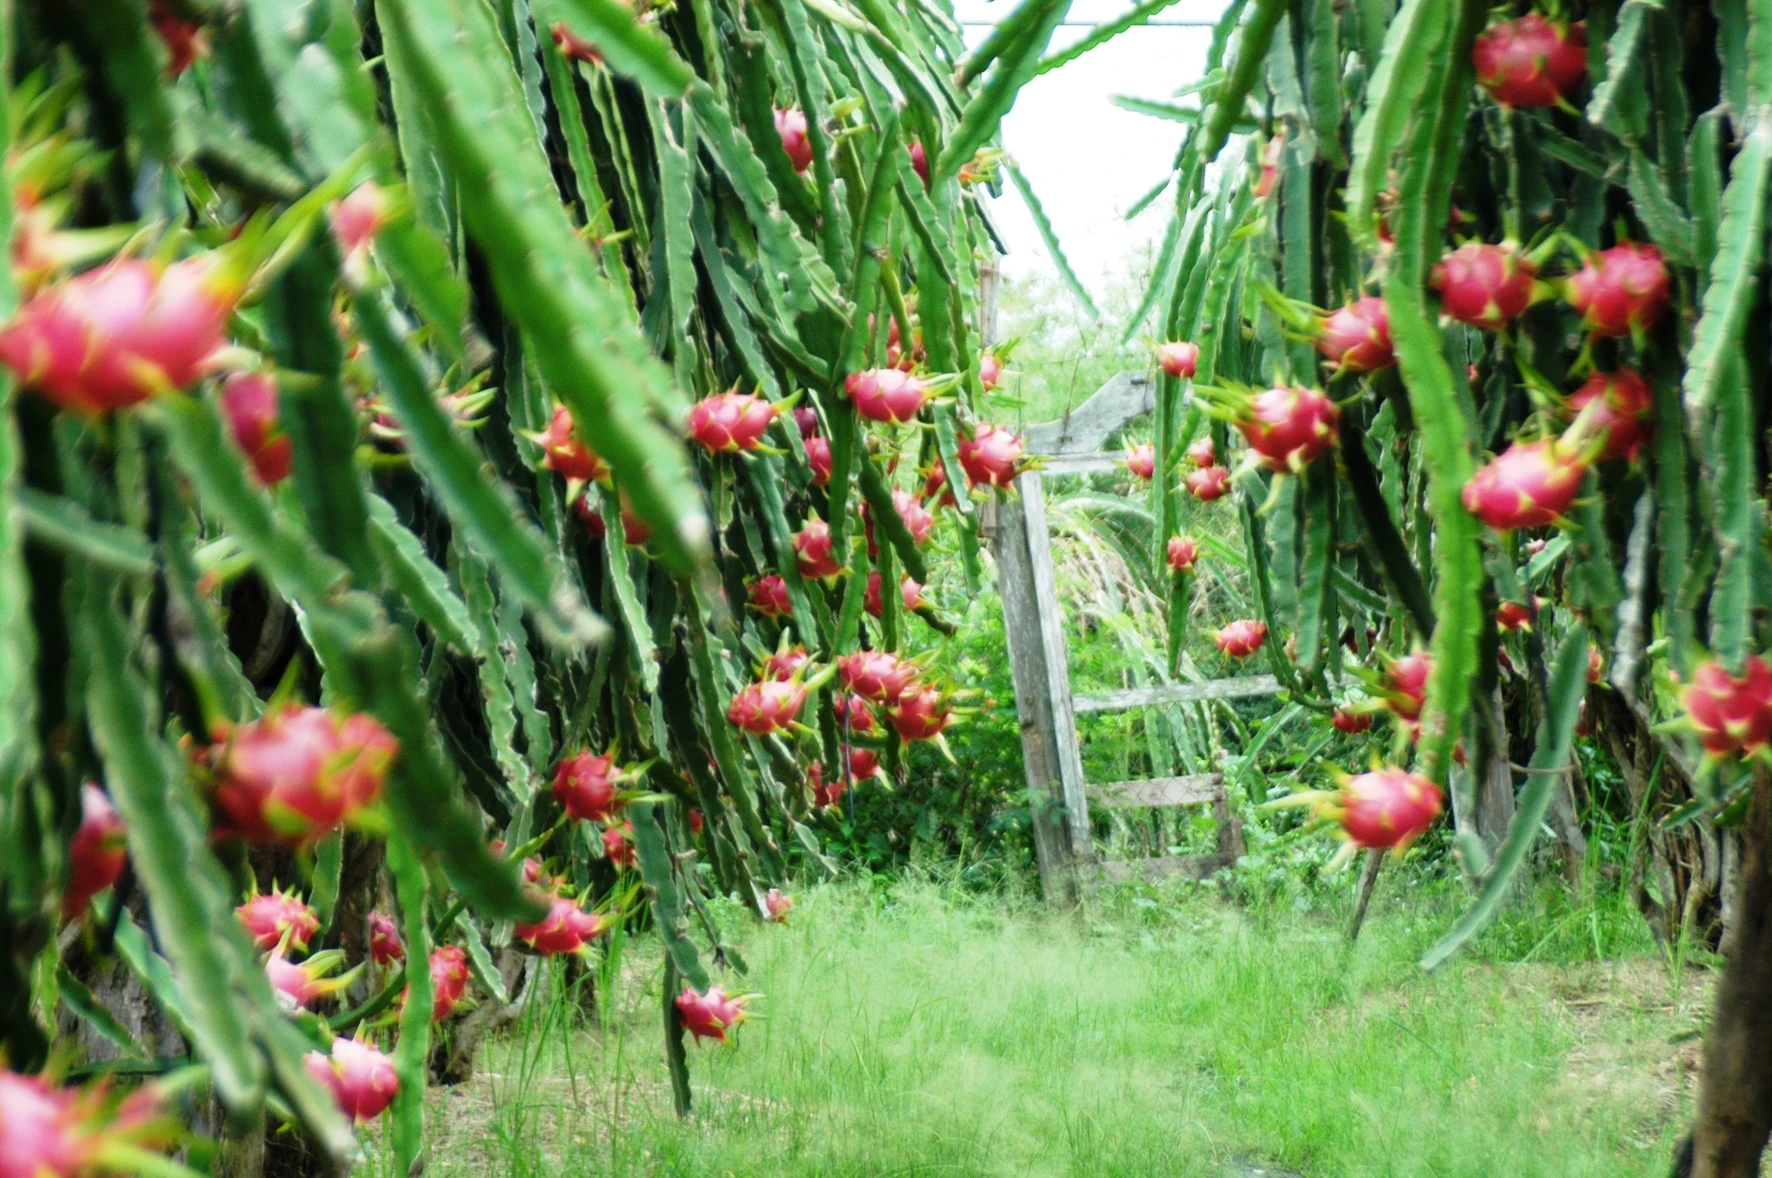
(1087, 159)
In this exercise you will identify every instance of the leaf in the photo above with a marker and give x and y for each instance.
(632, 49)
(658, 869)
(423, 586)
(1730, 289)
(1103, 33)
(412, 1052)
(1015, 68)
(1253, 39)
(59, 521)
(1392, 96)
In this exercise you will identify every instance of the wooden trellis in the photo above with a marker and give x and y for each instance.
(1021, 543)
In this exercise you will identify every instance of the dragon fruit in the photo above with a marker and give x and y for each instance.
(853, 713)
(1202, 453)
(990, 371)
(1529, 485)
(1240, 638)
(920, 713)
(271, 916)
(575, 46)
(564, 453)
(1288, 427)
(769, 596)
(920, 162)
(115, 336)
(1141, 460)
(1516, 615)
(863, 763)
(935, 486)
(991, 456)
(1625, 412)
(1531, 61)
(618, 845)
(1484, 285)
(566, 928)
(634, 531)
(1357, 338)
(1596, 664)
(96, 853)
(449, 980)
(806, 419)
(359, 217)
(786, 663)
(1179, 358)
(249, 402)
(294, 775)
(910, 590)
(1385, 808)
(916, 519)
(1208, 483)
(710, 1015)
(767, 707)
(777, 906)
(732, 422)
(813, 552)
(385, 947)
(360, 1077)
(1731, 714)
(818, 457)
(1620, 291)
(824, 793)
(587, 786)
(790, 125)
(183, 37)
(1183, 552)
(298, 984)
(1405, 684)
(1351, 721)
(887, 394)
(54, 1132)
(876, 675)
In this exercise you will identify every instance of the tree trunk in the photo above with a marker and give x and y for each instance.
(1735, 1100)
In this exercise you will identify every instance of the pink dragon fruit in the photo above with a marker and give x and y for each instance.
(294, 775)
(298, 984)
(359, 217)
(991, 456)
(813, 551)
(1350, 721)
(887, 394)
(1179, 358)
(618, 845)
(449, 980)
(920, 162)
(1531, 61)
(1529, 485)
(818, 457)
(360, 1077)
(1385, 808)
(990, 371)
(920, 713)
(1357, 338)
(587, 786)
(1405, 684)
(96, 853)
(1183, 552)
(1289, 427)
(1240, 638)
(1625, 413)
(566, 928)
(876, 675)
(1208, 483)
(183, 37)
(777, 906)
(1202, 453)
(271, 916)
(852, 712)
(732, 422)
(1731, 714)
(1484, 285)
(769, 596)
(564, 453)
(767, 707)
(1515, 615)
(710, 1015)
(385, 947)
(1622, 290)
(786, 663)
(53, 1132)
(1141, 460)
(910, 590)
(790, 125)
(249, 402)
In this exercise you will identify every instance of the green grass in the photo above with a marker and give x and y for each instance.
(912, 1030)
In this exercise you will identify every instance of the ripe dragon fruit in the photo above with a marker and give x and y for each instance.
(618, 845)
(385, 947)
(1385, 808)
(565, 454)
(1183, 552)
(935, 486)
(566, 928)
(298, 984)
(115, 336)
(710, 1015)
(990, 371)
(48, 1131)
(1208, 483)
(920, 713)
(1141, 460)
(863, 763)
(765, 708)
(813, 552)
(732, 422)
(1484, 285)
(818, 457)
(359, 217)
(590, 517)
(587, 786)
(769, 596)
(853, 713)
(777, 906)
(294, 775)
(1529, 485)
(790, 125)
(184, 38)
(1517, 615)
(786, 663)
(1357, 338)
(896, 356)
(1179, 358)
(1202, 453)
(249, 402)
(806, 419)
(1731, 714)
(910, 590)
(449, 980)
(1350, 721)
(1620, 291)
(360, 1077)
(1241, 638)
(1531, 61)
(1270, 167)
(634, 531)
(911, 512)
(920, 162)
(96, 853)
(575, 46)
(1405, 684)
(270, 917)
(824, 794)
(1625, 412)
(1596, 664)
(991, 456)
(1288, 427)
(887, 395)
(876, 675)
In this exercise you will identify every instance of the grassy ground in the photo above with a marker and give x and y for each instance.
(911, 1030)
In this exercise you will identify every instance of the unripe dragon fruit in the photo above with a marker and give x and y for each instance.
(1484, 285)
(294, 775)
(249, 402)
(853, 713)
(769, 596)
(1141, 460)
(777, 906)
(360, 1077)
(184, 38)
(1625, 413)
(1208, 483)
(1622, 290)
(786, 663)
(1288, 427)
(818, 457)
(1202, 453)
(1179, 358)
(991, 455)
(298, 984)
(1385, 808)
(1731, 714)
(910, 590)
(566, 928)
(1596, 664)
(767, 707)
(1531, 61)
(565, 454)
(813, 552)
(710, 1015)
(1357, 338)
(990, 371)
(732, 422)
(96, 853)
(1241, 638)
(1183, 552)
(887, 394)
(1350, 721)
(115, 336)
(1529, 485)
(876, 675)
(359, 217)
(1405, 684)
(449, 980)
(587, 786)
(920, 713)
(790, 125)
(385, 947)
(575, 46)
(270, 917)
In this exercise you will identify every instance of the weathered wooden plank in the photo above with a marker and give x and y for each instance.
(1159, 791)
(1058, 675)
(1177, 693)
(1125, 398)
(1166, 867)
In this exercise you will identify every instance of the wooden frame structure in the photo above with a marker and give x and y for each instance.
(1021, 543)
